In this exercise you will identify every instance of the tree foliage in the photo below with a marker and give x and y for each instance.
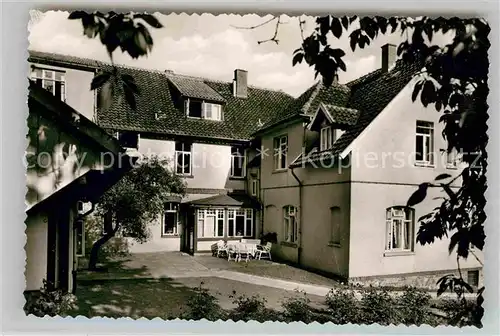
(454, 79)
(130, 33)
(136, 200)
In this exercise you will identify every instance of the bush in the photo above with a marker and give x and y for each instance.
(298, 309)
(414, 307)
(49, 302)
(251, 309)
(203, 305)
(377, 306)
(343, 306)
(269, 237)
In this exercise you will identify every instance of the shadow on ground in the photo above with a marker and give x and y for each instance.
(134, 298)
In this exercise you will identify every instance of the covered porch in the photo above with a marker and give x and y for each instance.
(227, 217)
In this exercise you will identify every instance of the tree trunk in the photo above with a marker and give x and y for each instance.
(94, 252)
(109, 233)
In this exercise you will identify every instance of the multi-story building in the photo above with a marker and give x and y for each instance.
(329, 172)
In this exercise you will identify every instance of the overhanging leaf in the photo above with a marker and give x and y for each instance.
(297, 59)
(99, 80)
(442, 176)
(336, 27)
(419, 195)
(150, 19)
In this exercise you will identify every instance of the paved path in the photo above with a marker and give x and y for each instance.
(177, 265)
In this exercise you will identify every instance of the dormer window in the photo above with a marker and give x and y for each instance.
(328, 136)
(203, 110)
(212, 111)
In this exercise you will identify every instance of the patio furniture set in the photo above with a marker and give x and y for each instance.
(245, 249)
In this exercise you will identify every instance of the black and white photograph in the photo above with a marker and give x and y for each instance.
(292, 168)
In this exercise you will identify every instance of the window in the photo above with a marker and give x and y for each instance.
(240, 222)
(212, 111)
(326, 138)
(237, 162)
(210, 223)
(290, 223)
(473, 278)
(79, 238)
(201, 109)
(280, 152)
(51, 80)
(425, 143)
(336, 224)
(400, 227)
(170, 219)
(254, 187)
(183, 158)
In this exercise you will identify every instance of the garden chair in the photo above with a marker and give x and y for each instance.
(231, 252)
(221, 248)
(242, 252)
(264, 251)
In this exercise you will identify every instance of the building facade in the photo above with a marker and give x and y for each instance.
(328, 172)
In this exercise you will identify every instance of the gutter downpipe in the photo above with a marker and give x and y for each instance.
(299, 251)
(301, 217)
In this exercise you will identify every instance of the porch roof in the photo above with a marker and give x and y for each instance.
(231, 199)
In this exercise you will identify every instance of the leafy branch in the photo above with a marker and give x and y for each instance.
(130, 33)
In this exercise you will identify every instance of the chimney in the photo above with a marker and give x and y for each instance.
(389, 56)
(240, 83)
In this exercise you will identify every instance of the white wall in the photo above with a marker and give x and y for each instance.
(36, 250)
(384, 174)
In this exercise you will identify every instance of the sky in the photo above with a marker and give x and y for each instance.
(212, 46)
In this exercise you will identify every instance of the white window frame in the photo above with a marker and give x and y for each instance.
(254, 187)
(218, 214)
(280, 145)
(248, 221)
(405, 218)
(75, 238)
(326, 138)
(427, 151)
(183, 153)
(290, 223)
(171, 207)
(46, 79)
(212, 111)
(238, 154)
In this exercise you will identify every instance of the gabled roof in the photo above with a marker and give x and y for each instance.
(307, 103)
(335, 115)
(195, 88)
(370, 95)
(156, 99)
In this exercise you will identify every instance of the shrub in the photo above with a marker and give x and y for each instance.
(343, 306)
(203, 305)
(414, 306)
(377, 306)
(49, 302)
(269, 237)
(298, 309)
(251, 308)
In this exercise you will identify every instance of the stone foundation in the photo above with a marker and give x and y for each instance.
(424, 280)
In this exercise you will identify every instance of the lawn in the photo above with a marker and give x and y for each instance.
(166, 298)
